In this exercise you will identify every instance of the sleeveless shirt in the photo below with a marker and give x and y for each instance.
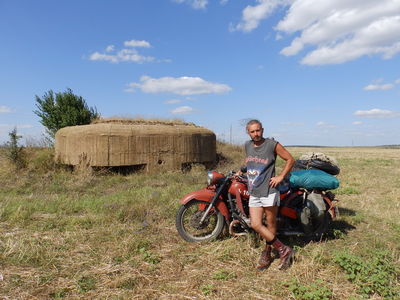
(260, 162)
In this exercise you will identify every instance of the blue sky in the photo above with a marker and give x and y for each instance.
(314, 72)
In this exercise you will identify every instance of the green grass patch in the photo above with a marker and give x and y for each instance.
(372, 275)
(59, 294)
(128, 284)
(347, 190)
(311, 291)
(86, 283)
(207, 289)
(224, 275)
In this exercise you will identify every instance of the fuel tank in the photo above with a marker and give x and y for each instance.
(240, 188)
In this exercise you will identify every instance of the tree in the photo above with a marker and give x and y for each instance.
(58, 110)
(14, 152)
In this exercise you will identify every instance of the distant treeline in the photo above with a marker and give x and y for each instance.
(390, 146)
(396, 146)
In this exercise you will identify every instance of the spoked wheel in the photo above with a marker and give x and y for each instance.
(188, 222)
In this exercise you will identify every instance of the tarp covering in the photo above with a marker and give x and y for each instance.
(313, 179)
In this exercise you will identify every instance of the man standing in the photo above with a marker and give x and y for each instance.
(264, 196)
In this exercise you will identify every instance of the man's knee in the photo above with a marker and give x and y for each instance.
(271, 224)
(256, 225)
(270, 214)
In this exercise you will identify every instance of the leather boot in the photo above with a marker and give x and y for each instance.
(286, 254)
(265, 258)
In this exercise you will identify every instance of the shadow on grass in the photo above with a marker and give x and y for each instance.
(338, 229)
(341, 226)
(346, 212)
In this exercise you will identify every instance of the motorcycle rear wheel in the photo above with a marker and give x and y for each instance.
(188, 218)
(322, 229)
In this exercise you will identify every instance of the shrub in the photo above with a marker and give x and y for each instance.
(42, 160)
(58, 110)
(14, 152)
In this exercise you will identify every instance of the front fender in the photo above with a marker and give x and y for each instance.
(203, 195)
(206, 195)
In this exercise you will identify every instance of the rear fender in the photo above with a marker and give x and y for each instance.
(331, 207)
(207, 195)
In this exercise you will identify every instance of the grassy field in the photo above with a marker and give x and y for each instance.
(80, 235)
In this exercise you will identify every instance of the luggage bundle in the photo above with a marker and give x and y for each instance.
(317, 160)
(315, 171)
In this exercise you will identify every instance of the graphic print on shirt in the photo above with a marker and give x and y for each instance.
(256, 171)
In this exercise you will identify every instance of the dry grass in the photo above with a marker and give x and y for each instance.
(76, 236)
(140, 121)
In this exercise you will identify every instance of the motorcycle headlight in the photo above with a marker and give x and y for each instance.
(214, 177)
(209, 177)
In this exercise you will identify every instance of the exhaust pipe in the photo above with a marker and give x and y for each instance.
(232, 231)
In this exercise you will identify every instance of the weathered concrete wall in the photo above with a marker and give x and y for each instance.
(159, 146)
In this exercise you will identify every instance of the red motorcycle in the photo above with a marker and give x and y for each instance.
(205, 212)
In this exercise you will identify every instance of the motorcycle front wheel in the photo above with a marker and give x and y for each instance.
(188, 222)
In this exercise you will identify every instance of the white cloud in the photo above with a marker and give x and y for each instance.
(342, 30)
(332, 32)
(196, 4)
(324, 124)
(378, 84)
(180, 85)
(11, 126)
(278, 37)
(5, 109)
(121, 56)
(377, 113)
(253, 15)
(182, 110)
(110, 48)
(377, 87)
(135, 43)
(24, 126)
(357, 123)
(172, 101)
(223, 2)
(125, 54)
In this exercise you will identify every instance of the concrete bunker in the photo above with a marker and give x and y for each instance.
(142, 144)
